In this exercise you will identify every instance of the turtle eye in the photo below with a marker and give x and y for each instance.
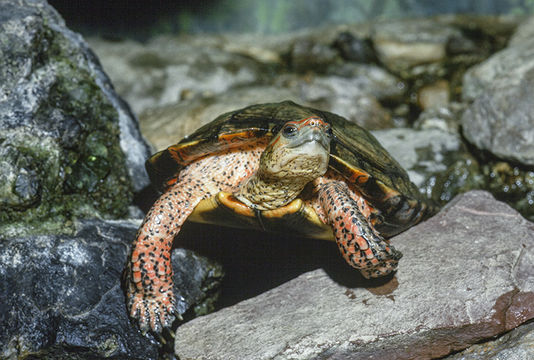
(289, 130)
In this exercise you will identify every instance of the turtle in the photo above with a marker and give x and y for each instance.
(278, 167)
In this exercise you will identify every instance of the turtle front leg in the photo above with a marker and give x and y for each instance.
(150, 296)
(360, 244)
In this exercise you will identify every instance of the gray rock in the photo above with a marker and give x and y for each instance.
(515, 345)
(69, 144)
(167, 70)
(501, 119)
(421, 152)
(61, 295)
(523, 33)
(444, 118)
(466, 275)
(402, 45)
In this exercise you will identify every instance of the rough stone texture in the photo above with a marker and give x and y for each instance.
(501, 116)
(518, 344)
(467, 275)
(166, 70)
(68, 143)
(421, 152)
(501, 119)
(61, 295)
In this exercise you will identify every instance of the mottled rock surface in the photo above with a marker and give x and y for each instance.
(501, 119)
(466, 275)
(501, 116)
(167, 70)
(61, 295)
(68, 144)
(421, 152)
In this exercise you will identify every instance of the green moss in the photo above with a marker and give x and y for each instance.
(78, 168)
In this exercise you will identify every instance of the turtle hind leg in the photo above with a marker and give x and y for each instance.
(359, 243)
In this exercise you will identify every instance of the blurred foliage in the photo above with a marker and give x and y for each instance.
(278, 16)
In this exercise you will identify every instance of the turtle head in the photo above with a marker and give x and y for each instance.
(300, 150)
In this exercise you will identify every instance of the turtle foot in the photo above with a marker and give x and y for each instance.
(387, 262)
(152, 312)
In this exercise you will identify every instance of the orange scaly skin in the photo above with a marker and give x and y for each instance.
(149, 275)
(360, 244)
(285, 171)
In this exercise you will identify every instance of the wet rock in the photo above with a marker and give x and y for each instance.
(515, 345)
(313, 315)
(512, 184)
(61, 295)
(69, 144)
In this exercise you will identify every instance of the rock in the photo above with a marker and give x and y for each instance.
(434, 95)
(515, 345)
(505, 68)
(68, 143)
(421, 152)
(166, 70)
(61, 294)
(444, 118)
(512, 184)
(353, 48)
(402, 45)
(524, 32)
(308, 55)
(351, 98)
(501, 119)
(477, 251)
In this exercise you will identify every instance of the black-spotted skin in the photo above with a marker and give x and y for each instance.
(364, 196)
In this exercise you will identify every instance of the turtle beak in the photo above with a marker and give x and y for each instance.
(311, 134)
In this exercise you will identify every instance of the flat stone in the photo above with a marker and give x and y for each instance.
(467, 274)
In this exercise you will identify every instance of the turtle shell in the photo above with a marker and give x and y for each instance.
(354, 153)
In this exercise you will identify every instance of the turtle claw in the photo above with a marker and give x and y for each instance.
(388, 261)
(152, 313)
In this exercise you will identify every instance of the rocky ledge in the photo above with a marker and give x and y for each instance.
(466, 276)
